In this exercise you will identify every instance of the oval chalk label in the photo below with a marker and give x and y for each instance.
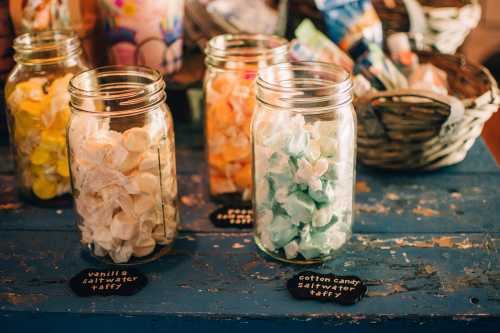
(108, 282)
(345, 290)
(232, 217)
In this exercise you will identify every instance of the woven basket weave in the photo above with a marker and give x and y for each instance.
(448, 22)
(417, 130)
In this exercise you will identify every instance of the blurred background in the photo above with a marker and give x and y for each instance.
(114, 31)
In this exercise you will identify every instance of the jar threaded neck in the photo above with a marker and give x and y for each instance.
(46, 47)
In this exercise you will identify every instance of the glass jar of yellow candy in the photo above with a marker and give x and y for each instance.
(37, 100)
(229, 90)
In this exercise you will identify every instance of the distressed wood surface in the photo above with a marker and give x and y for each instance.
(426, 244)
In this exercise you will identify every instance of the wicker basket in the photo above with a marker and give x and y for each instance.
(418, 130)
(448, 22)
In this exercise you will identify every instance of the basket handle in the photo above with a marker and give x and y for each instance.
(372, 123)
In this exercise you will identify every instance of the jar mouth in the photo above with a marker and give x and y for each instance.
(304, 86)
(116, 90)
(46, 47)
(246, 48)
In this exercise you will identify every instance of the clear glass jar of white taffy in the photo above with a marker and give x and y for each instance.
(304, 144)
(122, 163)
(229, 89)
(37, 99)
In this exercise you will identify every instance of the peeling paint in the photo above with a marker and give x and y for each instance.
(362, 187)
(375, 208)
(423, 211)
(20, 299)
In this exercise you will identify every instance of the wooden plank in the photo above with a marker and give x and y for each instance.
(432, 203)
(213, 276)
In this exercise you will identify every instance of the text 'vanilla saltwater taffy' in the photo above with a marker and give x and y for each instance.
(229, 88)
(38, 111)
(122, 162)
(304, 144)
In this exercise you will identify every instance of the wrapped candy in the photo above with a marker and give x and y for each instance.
(37, 99)
(229, 87)
(348, 21)
(312, 45)
(40, 117)
(123, 170)
(304, 164)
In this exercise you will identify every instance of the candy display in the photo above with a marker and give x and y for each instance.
(304, 152)
(39, 134)
(233, 61)
(145, 33)
(37, 101)
(123, 170)
(312, 45)
(348, 21)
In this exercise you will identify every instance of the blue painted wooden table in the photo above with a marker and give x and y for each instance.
(426, 245)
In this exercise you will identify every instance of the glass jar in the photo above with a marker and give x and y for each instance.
(38, 111)
(304, 143)
(229, 88)
(122, 162)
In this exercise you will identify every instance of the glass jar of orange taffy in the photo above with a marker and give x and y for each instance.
(229, 87)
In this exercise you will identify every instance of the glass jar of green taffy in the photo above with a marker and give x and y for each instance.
(304, 147)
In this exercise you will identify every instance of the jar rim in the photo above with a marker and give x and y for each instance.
(131, 89)
(46, 46)
(248, 48)
(320, 86)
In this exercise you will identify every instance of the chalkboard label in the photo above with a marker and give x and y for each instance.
(232, 217)
(107, 282)
(345, 290)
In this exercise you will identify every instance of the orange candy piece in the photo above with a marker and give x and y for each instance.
(243, 177)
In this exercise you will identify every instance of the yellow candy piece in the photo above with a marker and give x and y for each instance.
(26, 121)
(32, 108)
(61, 120)
(44, 189)
(62, 168)
(53, 140)
(37, 170)
(40, 156)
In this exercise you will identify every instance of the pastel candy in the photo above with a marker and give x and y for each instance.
(103, 238)
(143, 247)
(147, 182)
(324, 194)
(291, 249)
(300, 206)
(282, 231)
(136, 139)
(119, 195)
(323, 216)
(123, 226)
(121, 254)
(303, 194)
(40, 112)
(143, 203)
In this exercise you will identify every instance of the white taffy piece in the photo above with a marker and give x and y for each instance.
(125, 188)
